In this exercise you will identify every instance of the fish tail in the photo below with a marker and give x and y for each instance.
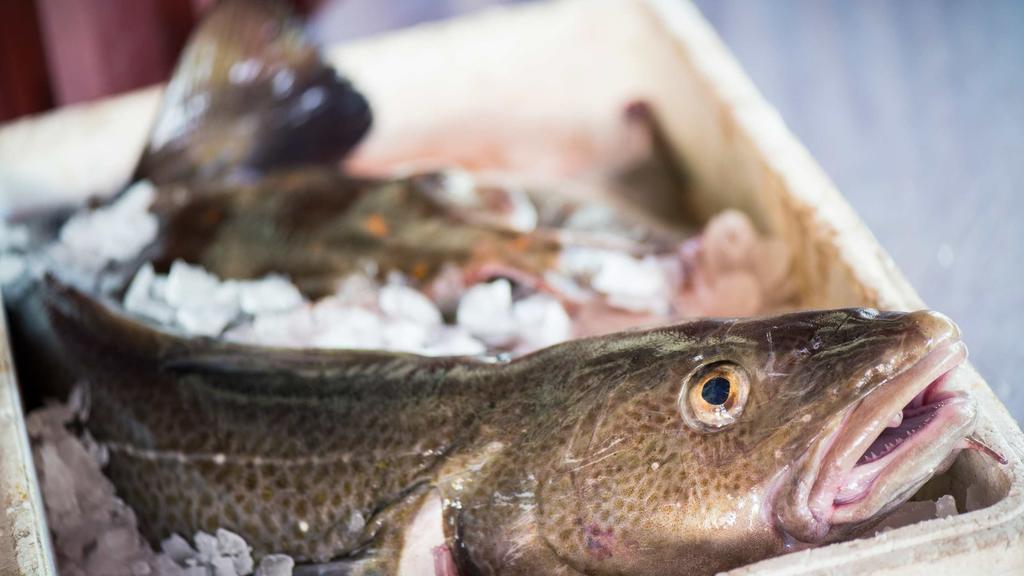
(251, 94)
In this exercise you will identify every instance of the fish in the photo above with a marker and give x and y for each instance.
(688, 448)
(250, 93)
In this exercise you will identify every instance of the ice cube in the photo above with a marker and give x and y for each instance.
(294, 328)
(99, 535)
(356, 522)
(230, 543)
(139, 299)
(405, 336)
(135, 200)
(270, 329)
(139, 289)
(223, 566)
(270, 294)
(945, 506)
(117, 232)
(178, 549)
(189, 286)
(275, 565)
(204, 320)
(234, 546)
(485, 310)
(405, 303)
(637, 285)
(206, 544)
(582, 262)
(566, 287)
(58, 485)
(454, 341)
(339, 326)
(357, 290)
(542, 321)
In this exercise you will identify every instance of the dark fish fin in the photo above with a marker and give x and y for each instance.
(656, 182)
(335, 568)
(76, 316)
(300, 374)
(251, 94)
(99, 324)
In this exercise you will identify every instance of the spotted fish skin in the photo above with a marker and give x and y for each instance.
(574, 459)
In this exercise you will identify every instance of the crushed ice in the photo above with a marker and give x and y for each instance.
(113, 233)
(728, 270)
(361, 314)
(95, 533)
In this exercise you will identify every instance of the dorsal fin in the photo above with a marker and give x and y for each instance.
(251, 94)
(99, 329)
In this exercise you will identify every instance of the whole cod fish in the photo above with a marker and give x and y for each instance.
(688, 449)
(681, 450)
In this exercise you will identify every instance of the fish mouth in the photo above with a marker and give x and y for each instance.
(894, 440)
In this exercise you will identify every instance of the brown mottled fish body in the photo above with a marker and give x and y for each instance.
(576, 459)
(318, 226)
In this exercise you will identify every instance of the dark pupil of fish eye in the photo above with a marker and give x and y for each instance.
(716, 391)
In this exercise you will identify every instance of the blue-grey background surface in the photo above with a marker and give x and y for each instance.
(916, 110)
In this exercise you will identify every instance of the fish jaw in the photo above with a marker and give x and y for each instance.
(885, 447)
(876, 468)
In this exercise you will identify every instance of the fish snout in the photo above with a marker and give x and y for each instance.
(936, 327)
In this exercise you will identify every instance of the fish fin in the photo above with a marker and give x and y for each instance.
(228, 367)
(655, 179)
(248, 363)
(251, 94)
(334, 568)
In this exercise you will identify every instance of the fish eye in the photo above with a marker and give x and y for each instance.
(716, 390)
(714, 396)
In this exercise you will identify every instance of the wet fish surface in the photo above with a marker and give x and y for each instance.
(686, 449)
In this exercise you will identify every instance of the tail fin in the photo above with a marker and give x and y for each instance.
(251, 94)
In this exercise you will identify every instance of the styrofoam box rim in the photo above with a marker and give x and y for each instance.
(90, 149)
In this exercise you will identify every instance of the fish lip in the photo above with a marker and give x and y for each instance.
(933, 377)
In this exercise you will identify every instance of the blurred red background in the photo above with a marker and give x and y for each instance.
(56, 52)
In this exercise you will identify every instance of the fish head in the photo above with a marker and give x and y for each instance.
(721, 442)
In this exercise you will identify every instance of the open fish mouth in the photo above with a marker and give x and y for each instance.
(895, 439)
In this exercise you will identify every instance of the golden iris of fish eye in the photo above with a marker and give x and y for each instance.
(704, 416)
